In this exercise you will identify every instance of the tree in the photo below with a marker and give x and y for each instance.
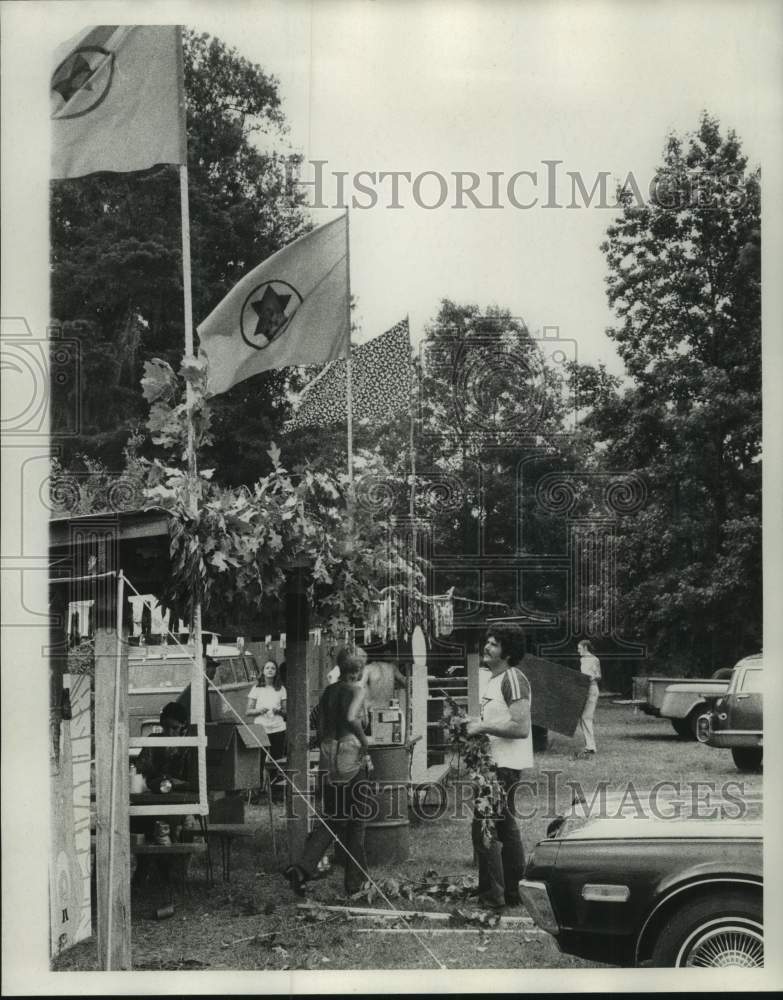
(684, 281)
(486, 401)
(491, 405)
(116, 268)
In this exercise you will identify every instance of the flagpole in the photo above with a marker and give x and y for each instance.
(196, 689)
(412, 449)
(412, 442)
(348, 373)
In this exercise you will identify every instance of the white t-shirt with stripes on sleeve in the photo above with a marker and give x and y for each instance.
(499, 692)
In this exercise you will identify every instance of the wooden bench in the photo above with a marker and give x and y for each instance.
(226, 832)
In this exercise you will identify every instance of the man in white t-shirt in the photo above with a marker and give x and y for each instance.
(505, 720)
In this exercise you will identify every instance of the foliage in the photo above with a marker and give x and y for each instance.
(233, 548)
(488, 794)
(89, 487)
(116, 267)
(684, 279)
(81, 658)
(420, 891)
(423, 892)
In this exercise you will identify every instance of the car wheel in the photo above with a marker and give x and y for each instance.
(747, 758)
(686, 728)
(720, 931)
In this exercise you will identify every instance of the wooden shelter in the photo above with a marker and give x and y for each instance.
(98, 561)
(102, 558)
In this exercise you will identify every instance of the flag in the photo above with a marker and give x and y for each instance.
(290, 310)
(380, 383)
(117, 100)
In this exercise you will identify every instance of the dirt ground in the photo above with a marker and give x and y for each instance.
(253, 923)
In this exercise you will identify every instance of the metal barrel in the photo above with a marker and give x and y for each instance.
(387, 834)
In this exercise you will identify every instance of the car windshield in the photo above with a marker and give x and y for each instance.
(226, 672)
(171, 673)
(248, 665)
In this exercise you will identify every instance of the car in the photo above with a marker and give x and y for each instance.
(736, 721)
(682, 700)
(653, 889)
(159, 674)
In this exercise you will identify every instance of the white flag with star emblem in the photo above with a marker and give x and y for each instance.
(290, 310)
(117, 100)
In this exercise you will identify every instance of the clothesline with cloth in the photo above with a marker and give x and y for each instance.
(397, 612)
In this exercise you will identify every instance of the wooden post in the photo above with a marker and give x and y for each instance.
(114, 954)
(58, 664)
(298, 721)
(474, 665)
(418, 710)
(61, 909)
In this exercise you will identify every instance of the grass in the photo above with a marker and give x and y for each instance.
(253, 922)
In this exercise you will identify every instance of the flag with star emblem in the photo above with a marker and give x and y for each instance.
(290, 310)
(117, 100)
(380, 383)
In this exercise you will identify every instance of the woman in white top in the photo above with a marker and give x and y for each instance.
(266, 705)
(590, 665)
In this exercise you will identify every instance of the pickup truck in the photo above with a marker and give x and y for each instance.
(680, 699)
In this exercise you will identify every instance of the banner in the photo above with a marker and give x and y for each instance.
(380, 382)
(290, 310)
(117, 100)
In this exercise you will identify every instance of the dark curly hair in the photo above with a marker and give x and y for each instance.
(511, 639)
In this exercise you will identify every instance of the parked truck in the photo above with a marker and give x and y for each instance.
(680, 699)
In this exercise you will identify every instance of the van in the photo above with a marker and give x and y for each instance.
(160, 674)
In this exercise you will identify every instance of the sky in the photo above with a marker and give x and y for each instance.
(500, 87)
(489, 88)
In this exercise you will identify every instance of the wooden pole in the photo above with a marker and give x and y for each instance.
(197, 682)
(473, 666)
(112, 848)
(418, 712)
(412, 450)
(298, 721)
(348, 362)
(412, 439)
(60, 921)
(120, 695)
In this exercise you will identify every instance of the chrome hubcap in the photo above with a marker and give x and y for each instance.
(737, 946)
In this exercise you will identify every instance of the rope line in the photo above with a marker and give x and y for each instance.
(302, 795)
